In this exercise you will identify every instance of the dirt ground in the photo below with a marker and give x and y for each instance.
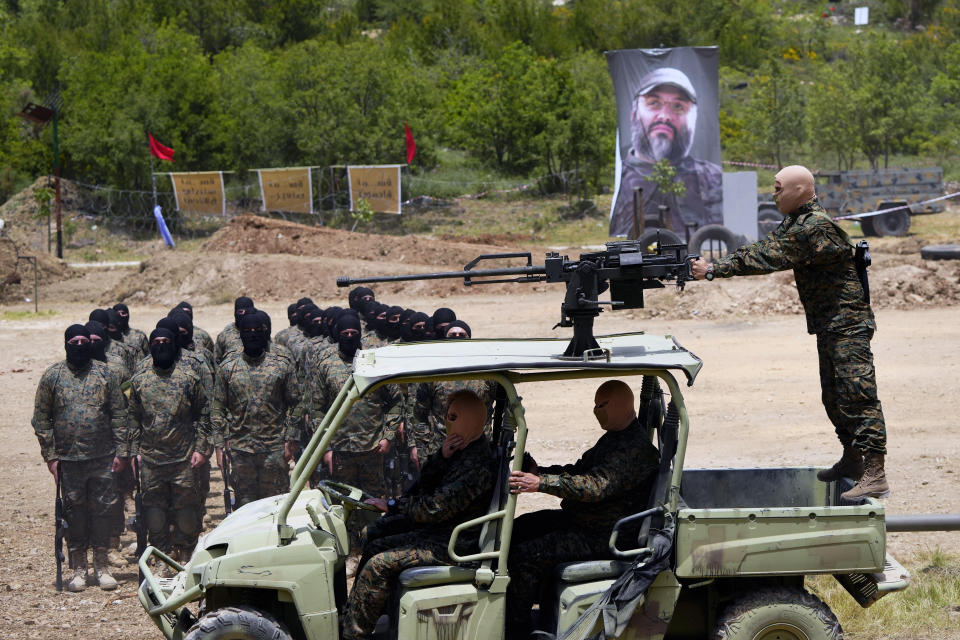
(755, 403)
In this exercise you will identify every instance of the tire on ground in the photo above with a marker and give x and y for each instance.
(941, 252)
(237, 623)
(781, 612)
(768, 219)
(895, 223)
(714, 241)
(648, 239)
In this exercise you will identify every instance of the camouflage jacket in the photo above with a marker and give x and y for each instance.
(126, 357)
(169, 413)
(821, 256)
(80, 413)
(203, 339)
(255, 402)
(137, 339)
(610, 481)
(228, 341)
(374, 418)
(427, 427)
(283, 336)
(452, 490)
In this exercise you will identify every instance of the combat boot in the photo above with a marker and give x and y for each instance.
(101, 568)
(873, 484)
(78, 582)
(850, 465)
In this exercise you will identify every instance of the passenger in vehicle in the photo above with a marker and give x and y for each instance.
(610, 481)
(455, 485)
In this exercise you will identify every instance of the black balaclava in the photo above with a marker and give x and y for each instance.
(380, 322)
(302, 302)
(463, 325)
(441, 318)
(187, 308)
(78, 355)
(391, 326)
(184, 333)
(330, 317)
(304, 317)
(164, 355)
(243, 302)
(417, 333)
(265, 321)
(368, 312)
(358, 296)
(292, 314)
(253, 334)
(101, 316)
(308, 316)
(124, 312)
(113, 327)
(348, 346)
(98, 348)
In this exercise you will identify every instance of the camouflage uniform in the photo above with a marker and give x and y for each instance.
(821, 256)
(126, 357)
(284, 335)
(417, 530)
(202, 338)
(610, 481)
(204, 361)
(255, 410)
(228, 341)
(427, 431)
(137, 339)
(169, 416)
(80, 418)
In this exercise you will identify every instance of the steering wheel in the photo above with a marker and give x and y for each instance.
(350, 496)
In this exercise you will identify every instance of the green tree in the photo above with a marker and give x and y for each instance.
(774, 117)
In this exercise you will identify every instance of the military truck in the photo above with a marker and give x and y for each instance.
(743, 540)
(848, 192)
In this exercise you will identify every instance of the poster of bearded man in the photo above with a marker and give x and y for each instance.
(667, 109)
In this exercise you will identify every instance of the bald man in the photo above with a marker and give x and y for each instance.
(455, 485)
(838, 312)
(610, 481)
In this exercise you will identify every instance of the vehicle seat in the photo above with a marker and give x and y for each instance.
(416, 577)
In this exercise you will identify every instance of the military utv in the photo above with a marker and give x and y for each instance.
(900, 192)
(741, 541)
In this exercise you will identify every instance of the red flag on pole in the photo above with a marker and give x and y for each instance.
(159, 151)
(411, 145)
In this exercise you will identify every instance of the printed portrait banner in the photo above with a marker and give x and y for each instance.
(200, 192)
(378, 185)
(286, 190)
(667, 109)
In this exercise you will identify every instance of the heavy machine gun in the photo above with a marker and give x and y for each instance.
(623, 267)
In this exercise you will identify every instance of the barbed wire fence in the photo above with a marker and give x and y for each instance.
(129, 213)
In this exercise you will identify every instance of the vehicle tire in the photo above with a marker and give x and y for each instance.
(648, 239)
(941, 252)
(895, 223)
(768, 219)
(778, 614)
(713, 242)
(866, 226)
(237, 623)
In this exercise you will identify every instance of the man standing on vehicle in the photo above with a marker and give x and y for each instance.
(169, 416)
(610, 481)
(838, 311)
(455, 487)
(254, 416)
(80, 418)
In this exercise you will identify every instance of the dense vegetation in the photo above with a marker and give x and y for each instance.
(519, 85)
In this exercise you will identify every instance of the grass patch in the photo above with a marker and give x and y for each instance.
(27, 315)
(928, 608)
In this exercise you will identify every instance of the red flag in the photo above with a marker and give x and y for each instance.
(159, 151)
(411, 145)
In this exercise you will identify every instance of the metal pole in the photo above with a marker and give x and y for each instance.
(637, 214)
(56, 170)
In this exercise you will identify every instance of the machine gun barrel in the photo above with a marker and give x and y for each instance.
(924, 522)
(528, 274)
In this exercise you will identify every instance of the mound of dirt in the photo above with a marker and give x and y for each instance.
(254, 234)
(24, 235)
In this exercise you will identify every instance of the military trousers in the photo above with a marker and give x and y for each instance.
(541, 541)
(388, 557)
(172, 504)
(91, 502)
(848, 384)
(258, 475)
